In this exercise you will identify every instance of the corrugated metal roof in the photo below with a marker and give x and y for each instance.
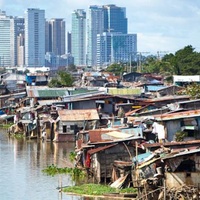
(81, 91)
(167, 98)
(95, 135)
(178, 115)
(47, 102)
(118, 134)
(186, 152)
(52, 93)
(46, 92)
(168, 144)
(78, 115)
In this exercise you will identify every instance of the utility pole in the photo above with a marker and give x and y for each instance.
(139, 66)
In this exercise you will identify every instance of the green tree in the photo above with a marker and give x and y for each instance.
(186, 61)
(116, 69)
(193, 90)
(63, 79)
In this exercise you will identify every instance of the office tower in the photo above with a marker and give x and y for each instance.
(95, 25)
(78, 35)
(55, 34)
(107, 18)
(115, 48)
(115, 19)
(5, 40)
(34, 37)
(69, 42)
(17, 41)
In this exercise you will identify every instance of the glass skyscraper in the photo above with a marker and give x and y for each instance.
(115, 19)
(34, 37)
(78, 37)
(115, 48)
(17, 40)
(55, 37)
(106, 18)
(95, 25)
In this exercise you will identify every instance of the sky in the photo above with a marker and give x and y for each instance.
(162, 26)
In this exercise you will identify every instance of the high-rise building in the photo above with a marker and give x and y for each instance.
(107, 18)
(34, 37)
(55, 36)
(95, 25)
(115, 19)
(78, 36)
(17, 41)
(115, 48)
(5, 40)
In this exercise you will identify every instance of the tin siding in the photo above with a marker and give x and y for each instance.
(172, 128)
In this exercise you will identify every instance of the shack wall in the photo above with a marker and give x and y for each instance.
(172, 128)
(178, 179)
(102, 162)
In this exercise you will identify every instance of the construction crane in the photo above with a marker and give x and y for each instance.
(139, 63)
(139, 66)
(159, 53)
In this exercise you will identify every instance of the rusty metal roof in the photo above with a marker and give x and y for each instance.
(167, 98)
(95, 135)
(178, 115)
(170, 144)
(93, 151)
(78, 115)
(171, 116)
(106, 136)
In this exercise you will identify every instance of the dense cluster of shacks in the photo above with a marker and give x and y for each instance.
(136, 132)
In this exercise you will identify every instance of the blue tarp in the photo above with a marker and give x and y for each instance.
(142, 157)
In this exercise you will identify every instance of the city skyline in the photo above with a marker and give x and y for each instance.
(160, 26)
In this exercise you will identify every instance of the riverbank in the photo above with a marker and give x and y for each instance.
(99, 190)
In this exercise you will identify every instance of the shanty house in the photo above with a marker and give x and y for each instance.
(71, 121)
(176, 173)
(187, 121)
(99, 150)
(170, 90)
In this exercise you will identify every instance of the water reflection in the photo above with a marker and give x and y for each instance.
(21, 165)
(21, 173)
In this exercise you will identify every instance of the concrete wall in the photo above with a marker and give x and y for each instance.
(179, 178)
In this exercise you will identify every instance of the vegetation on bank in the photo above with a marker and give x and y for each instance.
(96, 189)
(75, 173)
(6, 125)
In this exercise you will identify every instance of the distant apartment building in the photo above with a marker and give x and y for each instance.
(34, 37)
(115, 48)
(106, 18)
(5, 40)
(55, 36)
(78, 37)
